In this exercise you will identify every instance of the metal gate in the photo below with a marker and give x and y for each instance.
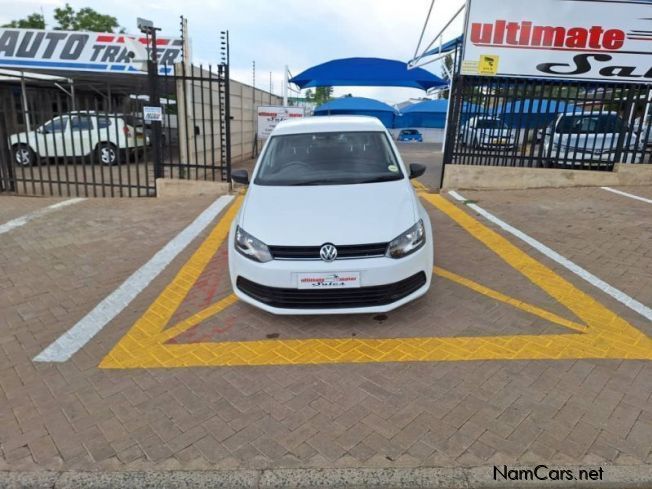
(547, 124)
(88, 138)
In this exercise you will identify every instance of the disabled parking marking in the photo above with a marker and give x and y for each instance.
(603, 335)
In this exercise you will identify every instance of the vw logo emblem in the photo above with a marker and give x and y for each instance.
(328, 252)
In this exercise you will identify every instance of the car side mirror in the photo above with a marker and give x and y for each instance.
(416, 170)
(240, 176)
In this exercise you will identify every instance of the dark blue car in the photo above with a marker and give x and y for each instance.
(410, 135)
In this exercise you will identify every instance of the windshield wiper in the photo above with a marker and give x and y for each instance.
(315, 182)
(384, 178)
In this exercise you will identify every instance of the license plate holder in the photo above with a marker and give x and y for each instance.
(328, 280)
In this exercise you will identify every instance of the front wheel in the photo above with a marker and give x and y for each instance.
(107, 153)
(24, 155)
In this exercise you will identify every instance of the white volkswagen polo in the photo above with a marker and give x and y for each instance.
(330, 223)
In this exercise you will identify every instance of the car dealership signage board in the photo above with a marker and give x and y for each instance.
(609, 40)
(82, 51)
(269, 116)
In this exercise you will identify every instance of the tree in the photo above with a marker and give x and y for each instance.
(322, 95)
(34, 21)
(85, 19)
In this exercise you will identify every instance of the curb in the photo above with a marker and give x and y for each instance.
(615, 477)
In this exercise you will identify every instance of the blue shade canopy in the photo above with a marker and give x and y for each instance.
(359, 106)
(367, 72)
(440, 105)
(355, 103)
(431, 113)
(537, 106)
(445, 47)
(533, 113)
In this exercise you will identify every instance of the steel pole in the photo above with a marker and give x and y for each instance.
(155, 101)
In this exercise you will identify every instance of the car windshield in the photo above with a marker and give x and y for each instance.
(590, 124)
(490, 124)
(328, 158)
(409, 132)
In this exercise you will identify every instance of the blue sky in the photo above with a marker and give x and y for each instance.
(275, 33)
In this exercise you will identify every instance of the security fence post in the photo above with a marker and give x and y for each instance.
(154, 100)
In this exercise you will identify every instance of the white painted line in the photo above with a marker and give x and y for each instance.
(22, 220)
(631, 196)
(81, 333)
(617, 294)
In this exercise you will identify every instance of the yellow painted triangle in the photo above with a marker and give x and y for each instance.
(604, 334)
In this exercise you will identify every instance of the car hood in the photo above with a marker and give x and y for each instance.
(339, 214)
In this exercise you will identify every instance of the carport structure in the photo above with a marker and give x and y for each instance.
(359, 106)
(367, 72)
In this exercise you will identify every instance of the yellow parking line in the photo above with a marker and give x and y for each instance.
(499, 296)
(606, 335)
(197, 318)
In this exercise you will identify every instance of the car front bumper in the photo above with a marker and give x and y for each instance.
(262, 284)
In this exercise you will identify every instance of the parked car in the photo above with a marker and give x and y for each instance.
(169, 131)
(330, 222)
(487, 132)
(644, 130)
(576, 137)
(410, 135)
(76, 134)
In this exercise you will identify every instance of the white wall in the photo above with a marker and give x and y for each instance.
(196, 126)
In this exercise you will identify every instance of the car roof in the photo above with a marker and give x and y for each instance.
(328, 123)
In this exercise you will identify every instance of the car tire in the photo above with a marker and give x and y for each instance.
(23, 155)
(107, 154)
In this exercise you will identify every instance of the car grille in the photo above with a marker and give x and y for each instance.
(377, 295)
(344, 252)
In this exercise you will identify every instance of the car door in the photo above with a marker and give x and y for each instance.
(50, 138)
(82, 134)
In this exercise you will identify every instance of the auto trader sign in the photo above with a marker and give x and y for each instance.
(609, 40)
(81, 51)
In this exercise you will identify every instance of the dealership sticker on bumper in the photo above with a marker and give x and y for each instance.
(339, 280)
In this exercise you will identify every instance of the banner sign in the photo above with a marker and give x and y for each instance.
(81, 51)
(608, 40)
(270, 116)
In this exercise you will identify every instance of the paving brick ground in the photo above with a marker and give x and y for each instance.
(73, 415)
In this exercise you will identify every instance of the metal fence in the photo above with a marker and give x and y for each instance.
(547, 124)
(202, 136)
(94, 142)
(75, 149)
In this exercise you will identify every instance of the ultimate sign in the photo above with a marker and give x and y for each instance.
(562, 38)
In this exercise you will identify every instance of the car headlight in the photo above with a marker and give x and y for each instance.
(408, 242)
(251, 247)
